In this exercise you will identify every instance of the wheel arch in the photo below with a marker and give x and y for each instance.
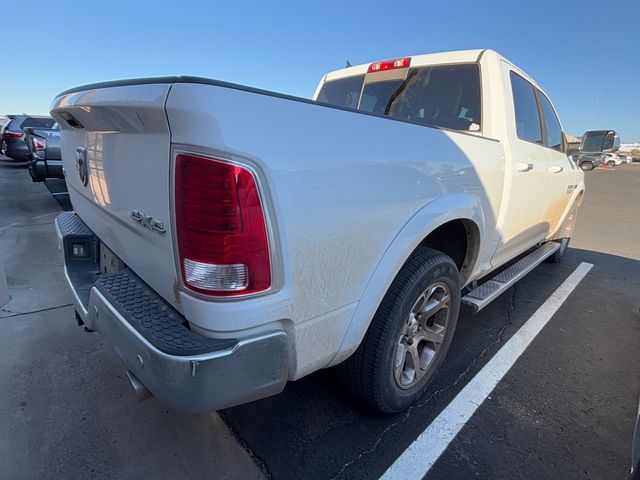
(568, 220)
(459, 213)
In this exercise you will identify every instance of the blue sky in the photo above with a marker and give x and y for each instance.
(585, 54)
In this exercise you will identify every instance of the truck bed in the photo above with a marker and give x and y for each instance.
(326, 182)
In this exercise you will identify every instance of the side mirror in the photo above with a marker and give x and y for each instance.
(600, 141)
(611, 144)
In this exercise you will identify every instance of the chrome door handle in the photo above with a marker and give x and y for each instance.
(523, 167)
(555, 169)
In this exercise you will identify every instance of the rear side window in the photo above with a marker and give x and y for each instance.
(344, 92)
(443, 96)
(526, 109)
(37, 122)
(553, 129)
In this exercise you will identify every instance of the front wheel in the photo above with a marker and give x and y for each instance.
(409, 335)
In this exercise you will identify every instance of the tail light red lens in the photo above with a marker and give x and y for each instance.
(221, 228)
(13, 134)
(39, 143)
(389, 65)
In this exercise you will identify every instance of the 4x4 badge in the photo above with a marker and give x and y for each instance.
(148, 222)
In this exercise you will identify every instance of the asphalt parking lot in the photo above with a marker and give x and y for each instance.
(566, 409)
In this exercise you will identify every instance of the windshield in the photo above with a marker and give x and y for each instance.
(444, 96)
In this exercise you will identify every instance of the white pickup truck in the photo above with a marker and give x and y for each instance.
(226, 240)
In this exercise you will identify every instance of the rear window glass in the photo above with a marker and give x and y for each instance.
(37, 122)
(344, 92)
(443, 96)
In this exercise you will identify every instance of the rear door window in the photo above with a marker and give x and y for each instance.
(526, 109)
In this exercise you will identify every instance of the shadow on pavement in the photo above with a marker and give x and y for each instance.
(315, 430)
(58, 189)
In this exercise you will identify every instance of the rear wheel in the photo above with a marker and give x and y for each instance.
(586, 166)
(409, 335)
(611, 163)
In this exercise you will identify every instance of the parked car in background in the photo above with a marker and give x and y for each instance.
(589, 161)
(44, 145)
(612, 159)
(3, 121)
(625, 158)
(13, 143)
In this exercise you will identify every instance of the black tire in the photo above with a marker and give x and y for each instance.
(559, 254)
(611, 164)
(371, 372)
(586, 166)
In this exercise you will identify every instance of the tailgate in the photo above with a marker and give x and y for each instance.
(116, 155)
(51, 140)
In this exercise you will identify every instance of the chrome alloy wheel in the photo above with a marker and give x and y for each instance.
(423, 335)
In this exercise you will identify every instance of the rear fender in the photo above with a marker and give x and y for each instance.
(568, 220)
(453, 207)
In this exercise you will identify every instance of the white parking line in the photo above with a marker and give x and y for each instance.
(415, 461)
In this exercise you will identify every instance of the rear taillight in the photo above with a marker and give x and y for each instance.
(389, 65)
(13, 134)
(221, 229)
(38, 143)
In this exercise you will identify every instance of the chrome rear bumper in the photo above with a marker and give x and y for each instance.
(185, 370)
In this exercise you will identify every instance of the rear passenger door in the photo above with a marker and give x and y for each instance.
(563, 172)
(522, 222)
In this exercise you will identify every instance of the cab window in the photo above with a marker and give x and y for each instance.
(344, 92)
(553, 129)
(445, 96)
(526, 109)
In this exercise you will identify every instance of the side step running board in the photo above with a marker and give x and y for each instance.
(484, 294)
